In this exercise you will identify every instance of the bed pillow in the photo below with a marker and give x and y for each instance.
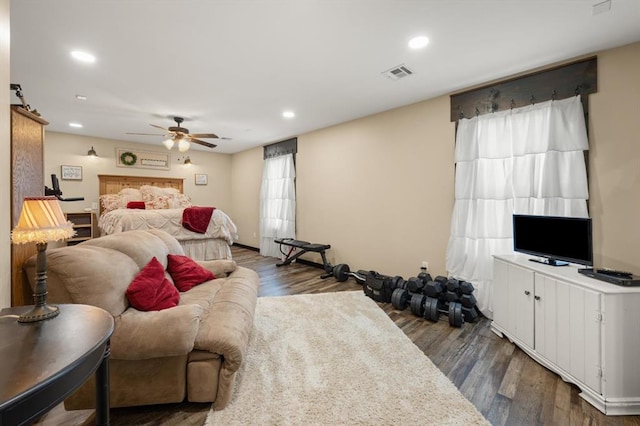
(130, 194)
(186, 272)
(179, 201)
(154, 198)
(111, 202)
(136, 205)
(150, 290)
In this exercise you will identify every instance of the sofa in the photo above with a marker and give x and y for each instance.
(191, 351)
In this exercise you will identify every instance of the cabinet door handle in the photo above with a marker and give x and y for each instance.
(536, 297)
(527, 292)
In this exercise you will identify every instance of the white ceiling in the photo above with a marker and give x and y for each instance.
(232, 67)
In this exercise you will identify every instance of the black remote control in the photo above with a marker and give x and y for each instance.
(614, 273)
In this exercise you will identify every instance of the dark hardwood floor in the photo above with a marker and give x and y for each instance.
(504, 383)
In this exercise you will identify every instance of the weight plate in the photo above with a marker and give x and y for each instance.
(431, 309)
(341, 272)
(399, 299)
(417, 304)
(395, 281)
(455, 314)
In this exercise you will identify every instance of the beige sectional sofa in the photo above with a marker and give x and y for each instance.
(191, 351)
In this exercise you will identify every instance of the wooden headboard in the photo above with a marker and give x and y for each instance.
(112, 184)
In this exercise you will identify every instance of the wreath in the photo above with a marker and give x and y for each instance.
(128, 158)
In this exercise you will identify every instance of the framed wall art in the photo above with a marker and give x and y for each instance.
(71, 172)
(134, 158)
(201, 179)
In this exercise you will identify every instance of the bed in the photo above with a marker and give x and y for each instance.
(160, 203)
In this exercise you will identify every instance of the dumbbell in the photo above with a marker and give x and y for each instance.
(342, 272)
(467, 298)
(434, 307)
(470, 314)
(434, 289)
(415, 285)
(425, 277)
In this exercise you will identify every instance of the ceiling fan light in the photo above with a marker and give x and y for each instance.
(183, 145)
(168, 143)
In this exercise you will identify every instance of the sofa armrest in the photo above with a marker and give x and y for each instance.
(220, 268)
(226, 325)
(155, 334)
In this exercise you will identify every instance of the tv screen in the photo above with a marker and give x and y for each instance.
(555, 239)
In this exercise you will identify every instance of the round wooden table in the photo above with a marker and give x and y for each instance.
(43, 362)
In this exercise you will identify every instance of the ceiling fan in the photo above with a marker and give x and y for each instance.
(181, 136)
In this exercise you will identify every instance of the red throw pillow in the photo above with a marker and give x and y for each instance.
(150, 290)
(186, 272)
(136, 205)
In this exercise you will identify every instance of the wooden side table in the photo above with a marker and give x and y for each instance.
(44, 362)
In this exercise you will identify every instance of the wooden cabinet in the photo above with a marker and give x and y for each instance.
(581, 328)
(83, 224)
(27, 180)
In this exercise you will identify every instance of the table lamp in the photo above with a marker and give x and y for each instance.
(41, 220)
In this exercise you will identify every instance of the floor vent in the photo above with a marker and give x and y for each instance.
(396, 73)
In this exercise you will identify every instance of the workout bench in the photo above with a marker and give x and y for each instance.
(303, 247)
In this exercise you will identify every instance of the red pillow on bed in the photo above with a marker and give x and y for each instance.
(186, 272)
(150, 290)
(136, 205)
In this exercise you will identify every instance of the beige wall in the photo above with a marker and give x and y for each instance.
(380, 189)
(246, 177)
(5, 159)
(614, 162)
(69, 149)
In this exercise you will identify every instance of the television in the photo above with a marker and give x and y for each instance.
(556, 241)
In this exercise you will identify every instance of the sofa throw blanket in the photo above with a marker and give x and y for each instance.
(197, 219)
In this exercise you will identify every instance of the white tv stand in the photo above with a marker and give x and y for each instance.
(585, 330)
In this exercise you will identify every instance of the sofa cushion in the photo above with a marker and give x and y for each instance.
(150, 290)
(186, 273)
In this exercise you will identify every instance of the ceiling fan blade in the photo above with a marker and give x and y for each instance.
(162, 128)
(198, 141)
(204, 135)
(146, 134)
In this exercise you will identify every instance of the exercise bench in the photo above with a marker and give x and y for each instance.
(302, 247)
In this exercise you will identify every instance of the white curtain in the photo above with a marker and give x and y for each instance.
(528, 160)
(277, 203)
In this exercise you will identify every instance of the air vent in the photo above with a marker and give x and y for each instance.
(396, 73)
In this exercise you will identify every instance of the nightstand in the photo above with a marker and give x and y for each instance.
(83, 224)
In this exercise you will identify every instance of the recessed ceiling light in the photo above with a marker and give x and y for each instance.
(76, 125)
(418, 42)
(81, 97)
(83, 56)
(288, 114)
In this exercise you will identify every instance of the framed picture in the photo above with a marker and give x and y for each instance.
(201, 179)
(71, 172)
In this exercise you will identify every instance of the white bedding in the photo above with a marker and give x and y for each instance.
(170, 221)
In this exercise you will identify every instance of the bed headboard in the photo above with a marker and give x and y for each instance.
(112, 184)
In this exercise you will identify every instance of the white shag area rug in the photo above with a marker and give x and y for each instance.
(338, 359)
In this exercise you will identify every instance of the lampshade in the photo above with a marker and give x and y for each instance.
(92, 153)
(183, 145)
(41, 221)
(187, 161)
(168, 143)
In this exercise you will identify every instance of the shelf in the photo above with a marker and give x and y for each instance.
(83, 224)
